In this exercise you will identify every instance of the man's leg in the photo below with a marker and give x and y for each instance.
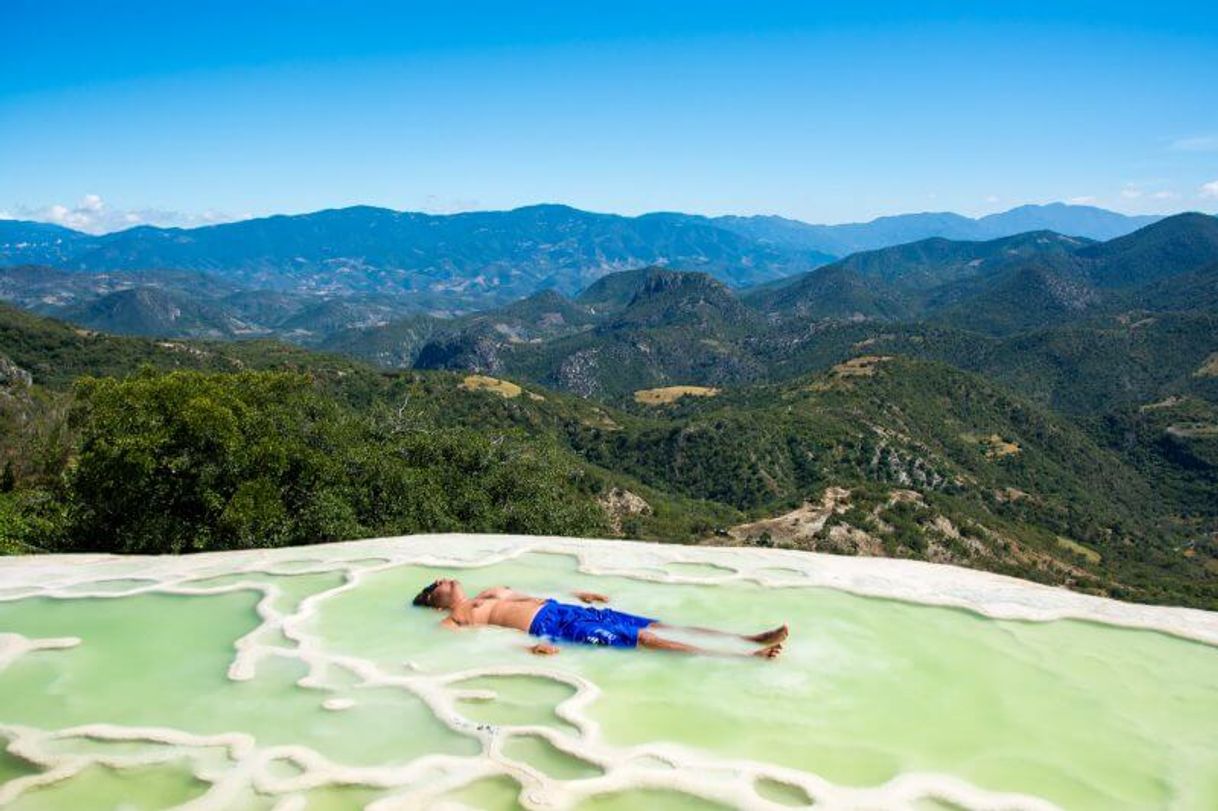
(649, 639)
(771, 637)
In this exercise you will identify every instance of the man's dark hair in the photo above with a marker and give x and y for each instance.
(423, 598)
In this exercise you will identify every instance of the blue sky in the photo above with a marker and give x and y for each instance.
(187, 112)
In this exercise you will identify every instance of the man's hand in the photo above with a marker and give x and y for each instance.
(590, 597)
(544, 649)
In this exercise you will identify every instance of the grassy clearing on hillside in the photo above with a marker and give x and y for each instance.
(670, 394)
(1078, 549)
(862, 366)
(841, 374)
(994, 446)
(504, 388)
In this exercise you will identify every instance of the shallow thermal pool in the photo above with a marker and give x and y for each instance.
(300, 679)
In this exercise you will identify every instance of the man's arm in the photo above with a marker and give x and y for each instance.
(590, 597)
(450, 623)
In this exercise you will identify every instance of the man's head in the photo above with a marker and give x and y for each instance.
(443, 593)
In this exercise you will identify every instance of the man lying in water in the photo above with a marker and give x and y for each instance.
(563, 622)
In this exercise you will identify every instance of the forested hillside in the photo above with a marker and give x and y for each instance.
(1040, 405)
(181, 446)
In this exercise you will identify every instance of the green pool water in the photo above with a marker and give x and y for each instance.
(141, 788)
(162, 660)
(871, 695)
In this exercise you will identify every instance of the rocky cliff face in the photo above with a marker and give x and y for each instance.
(12, 375)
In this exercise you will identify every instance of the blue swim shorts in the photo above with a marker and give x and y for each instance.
(562, 622)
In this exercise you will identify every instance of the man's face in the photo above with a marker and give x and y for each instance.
(446, 594)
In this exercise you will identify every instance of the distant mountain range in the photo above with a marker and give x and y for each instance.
(455, 262)
(842, 240)
(653, 327)
(997, 286)
(462, 262)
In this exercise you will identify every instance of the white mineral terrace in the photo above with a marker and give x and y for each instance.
(300, 679)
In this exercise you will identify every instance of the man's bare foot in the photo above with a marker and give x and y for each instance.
(772, 637)
(769, 652)
(544, 649)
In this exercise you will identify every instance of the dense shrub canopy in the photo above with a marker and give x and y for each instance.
(193, 461)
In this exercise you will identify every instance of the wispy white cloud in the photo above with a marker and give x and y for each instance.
(1209, 189)
(92, 215)
(1155, 189)
(436, 204)
(1083, 200)
(1196, 143)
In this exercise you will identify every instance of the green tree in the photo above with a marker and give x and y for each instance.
(192, 461)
